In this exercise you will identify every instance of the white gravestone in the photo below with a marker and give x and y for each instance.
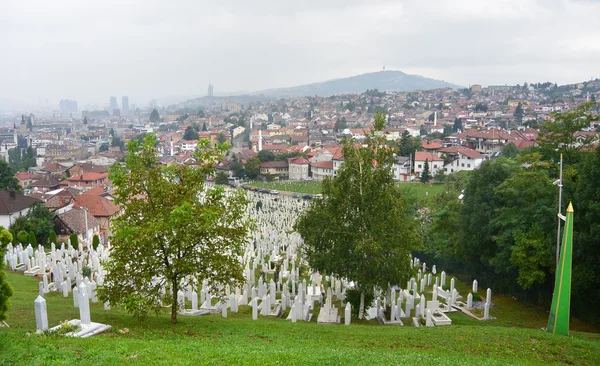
(41, 315)
(84, 305)
(347, 316)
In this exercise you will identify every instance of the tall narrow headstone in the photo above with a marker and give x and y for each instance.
(76, 297)
(41, 315)
(293, 312)
(475, 284)
(486, 311)
(429, 319)
(84, 305)
(469, 301)
(254, 309)
(488, 296)
(347, 315)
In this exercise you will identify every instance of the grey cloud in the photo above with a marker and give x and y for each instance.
(149, 49)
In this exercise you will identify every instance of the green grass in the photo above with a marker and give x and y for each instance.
(419, 189)
(211, 339)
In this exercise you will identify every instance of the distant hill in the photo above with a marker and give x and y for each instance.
(382, 80)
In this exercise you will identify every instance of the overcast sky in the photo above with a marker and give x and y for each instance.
(90, 50)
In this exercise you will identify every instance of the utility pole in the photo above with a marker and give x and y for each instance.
(560, 215)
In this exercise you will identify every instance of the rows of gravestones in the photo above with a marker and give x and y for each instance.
(274, 284)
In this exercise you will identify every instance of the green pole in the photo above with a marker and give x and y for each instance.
(560, 311)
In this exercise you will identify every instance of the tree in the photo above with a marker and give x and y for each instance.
(221, 178)
(409, 145)
(23, 237)
(6, 290)
(38, 220)
(154, 116)
(221, 138)
(559, 136)
(203, 126)
(457, 125)
(519, 114)
(95, 242)
(7, 177)
(364, 228)
(74, 240)
(266, 156)
(252, 168)
(111, 133)
(32, 239)
(190, 134)
(238, 169)
(340, 124)
(179, 239)
(510, 151)
(425, 175)
(103, 147)
(52, 237)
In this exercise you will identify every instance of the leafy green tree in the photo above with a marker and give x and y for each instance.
(111, 133)
(425, 175)
(252, 168)
(221, 178)
(559, 136)
(154, 116)
(74, 240)
(238, 169)
(340, 124)
(266, 156)
(190, 134)
(409, 145)
(38, 219)
(204, 126)
(52, 237)
(7, 177)
(510, 151)
(6, 290)
(95, 242)
(221, 138)
(457, 125)
(363, 229)
(519, 114)
(32, 239)
(23, 237)
(179, 239)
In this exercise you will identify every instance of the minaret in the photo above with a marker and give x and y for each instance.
(16, 138)
(171, 146)
(260, 140)
(435, 118)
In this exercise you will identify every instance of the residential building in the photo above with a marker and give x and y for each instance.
(464, 159)
(277, 168)
(13, 205)
(321, 169)
(402, 169)
(125, 105)
(435, 163)
(88, 180)
(77, 221)
(298, 168)
(104, 210)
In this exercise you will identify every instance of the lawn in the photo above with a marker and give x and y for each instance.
(420, 190)
(212, 339)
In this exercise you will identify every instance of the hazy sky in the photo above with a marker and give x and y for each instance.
(90, 50)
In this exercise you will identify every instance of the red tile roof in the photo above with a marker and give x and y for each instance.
(88, 177)
(422, 156)
(97, 206)
(323, 164)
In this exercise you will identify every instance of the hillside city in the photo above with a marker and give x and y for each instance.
(63, 159)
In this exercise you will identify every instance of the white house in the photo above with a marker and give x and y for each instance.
(298, 168)
(435, 163)
(402, 169)
(466, 159)
(322, 169)
(12, 206)
(189, 145)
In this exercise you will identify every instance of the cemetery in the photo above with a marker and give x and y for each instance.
(278, 287)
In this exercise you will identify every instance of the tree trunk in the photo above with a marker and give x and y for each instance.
(174, 303)
(361, 309)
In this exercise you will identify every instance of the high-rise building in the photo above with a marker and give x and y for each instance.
(210, 90)
(67, 107)
(125, 105)
(113, 103)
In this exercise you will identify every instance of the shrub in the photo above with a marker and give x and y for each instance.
(95, 242)
(74, 240)
(86, 272)
(52, 237)
(23, 237)
(32, 239)
(353, 297)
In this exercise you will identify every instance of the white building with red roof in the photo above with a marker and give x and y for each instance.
(435, 163)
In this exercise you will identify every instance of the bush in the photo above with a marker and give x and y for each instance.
(353, 297)
(74, 240)
(23, 237)
(32, 239)
(86, 272)
(95, 242)
(52, 237)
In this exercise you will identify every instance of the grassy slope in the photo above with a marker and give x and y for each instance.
(238, 339)
(315, 187)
